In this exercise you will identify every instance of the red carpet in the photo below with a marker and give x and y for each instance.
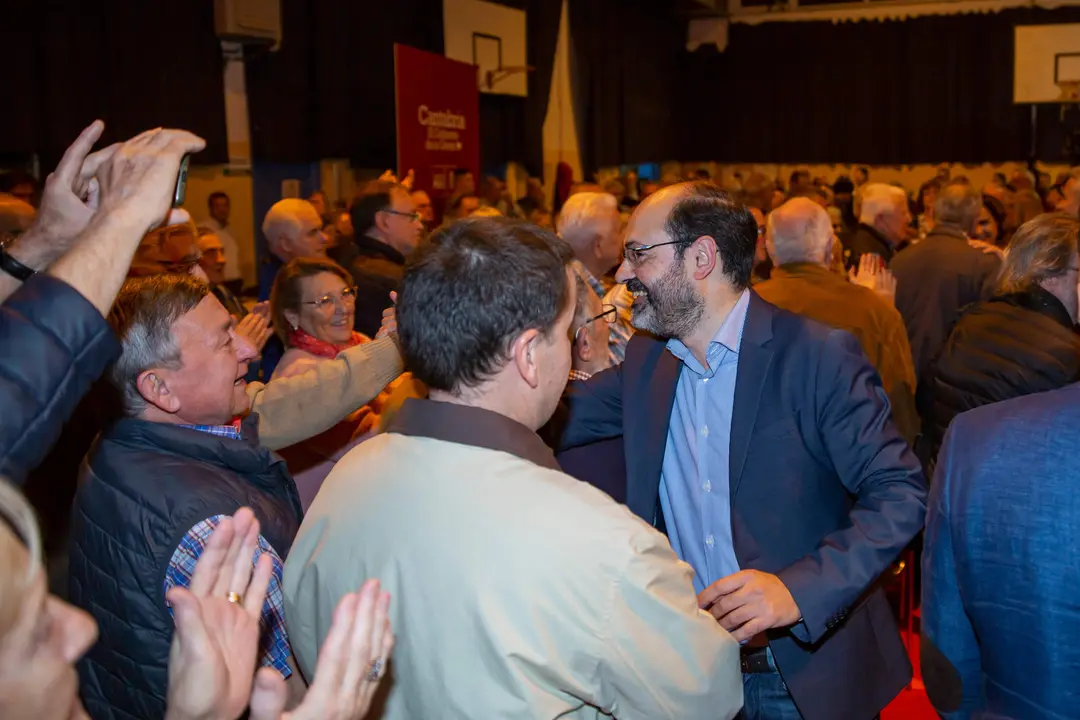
(911, 704)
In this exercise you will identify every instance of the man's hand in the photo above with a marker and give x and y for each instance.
(139, 178)
(212, 658)
(68, 201)
(256, 329)
(132, 186)
(351, 664)
(873, 275)
(750, 602)
(389, 320)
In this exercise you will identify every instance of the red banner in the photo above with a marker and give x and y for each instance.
(438, 119)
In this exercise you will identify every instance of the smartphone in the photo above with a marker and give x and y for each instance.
(181, 183)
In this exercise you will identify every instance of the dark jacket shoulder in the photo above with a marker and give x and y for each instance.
(1010, 346)
(53, 345)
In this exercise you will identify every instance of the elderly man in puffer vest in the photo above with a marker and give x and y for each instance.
(158, 481)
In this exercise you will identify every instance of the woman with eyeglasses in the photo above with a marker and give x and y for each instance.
(313, 304)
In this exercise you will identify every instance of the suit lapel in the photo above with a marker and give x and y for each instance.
(754, 362)
(646, 447)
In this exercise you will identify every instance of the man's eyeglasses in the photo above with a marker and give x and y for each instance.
(414, 216)
(609, 315)
(329, 301)
(634, 255)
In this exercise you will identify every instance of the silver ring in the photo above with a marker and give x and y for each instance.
(376, 671)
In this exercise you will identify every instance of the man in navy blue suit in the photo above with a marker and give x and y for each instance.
(762, 443)
(1000, 620)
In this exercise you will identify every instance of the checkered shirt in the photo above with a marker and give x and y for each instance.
(274, 650)
(226, 431)
(620, 331)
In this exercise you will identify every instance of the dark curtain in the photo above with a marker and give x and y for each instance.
(624, 57)
(502, 137)
(329, 90)
(542, 36)
(925, 90)
(136, 65)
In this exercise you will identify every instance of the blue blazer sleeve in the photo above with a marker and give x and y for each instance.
(950, 659)
(593, 410)
(53, 345)
(876, 466)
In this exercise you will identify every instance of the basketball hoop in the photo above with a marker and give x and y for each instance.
(494, 77)
(1070, 91)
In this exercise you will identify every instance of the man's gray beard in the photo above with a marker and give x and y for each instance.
(672, 309)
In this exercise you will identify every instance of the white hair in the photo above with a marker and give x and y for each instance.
(880, 199)
(283, 219)
(799, 231)
(578, 217)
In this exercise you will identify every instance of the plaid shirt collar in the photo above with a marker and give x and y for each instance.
(579, 375)
(231, 431)
(588, 277)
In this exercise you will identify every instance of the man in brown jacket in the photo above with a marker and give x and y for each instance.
(800, 239)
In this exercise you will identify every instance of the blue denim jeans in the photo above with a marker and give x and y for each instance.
(766, 697)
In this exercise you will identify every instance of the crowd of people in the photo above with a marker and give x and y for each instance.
(652, 450)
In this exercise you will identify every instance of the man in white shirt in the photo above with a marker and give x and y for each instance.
(219, 221)
(519, 592)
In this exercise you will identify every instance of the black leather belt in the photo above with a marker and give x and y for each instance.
(755, 660)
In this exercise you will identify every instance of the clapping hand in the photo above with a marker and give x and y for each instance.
(256, 328)
(212, 658)
(351, 664)
(391, 176)
(389, 319)
(749, 602)
(873, 275)
(262, 308)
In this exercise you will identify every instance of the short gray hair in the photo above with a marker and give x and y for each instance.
(878, 199)
(582, 312)
(281, 219)
(1040, 250)
(143, 317)
(958, 205)
(799, 231)
(577, 219)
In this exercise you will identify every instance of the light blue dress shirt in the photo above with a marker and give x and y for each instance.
(694, 479)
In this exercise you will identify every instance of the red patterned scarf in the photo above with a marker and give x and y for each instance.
(320, 348)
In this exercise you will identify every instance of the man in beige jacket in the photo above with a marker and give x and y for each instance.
(519, 592)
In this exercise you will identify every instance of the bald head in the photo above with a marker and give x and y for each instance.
(16, 216)
(293, 229)
(799, 231)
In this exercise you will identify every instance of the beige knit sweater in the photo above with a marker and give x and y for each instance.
(295, 408)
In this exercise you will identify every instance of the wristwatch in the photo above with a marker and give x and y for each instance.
(14, 268)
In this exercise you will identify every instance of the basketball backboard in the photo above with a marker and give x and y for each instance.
(492, 37)
(1046, 64)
